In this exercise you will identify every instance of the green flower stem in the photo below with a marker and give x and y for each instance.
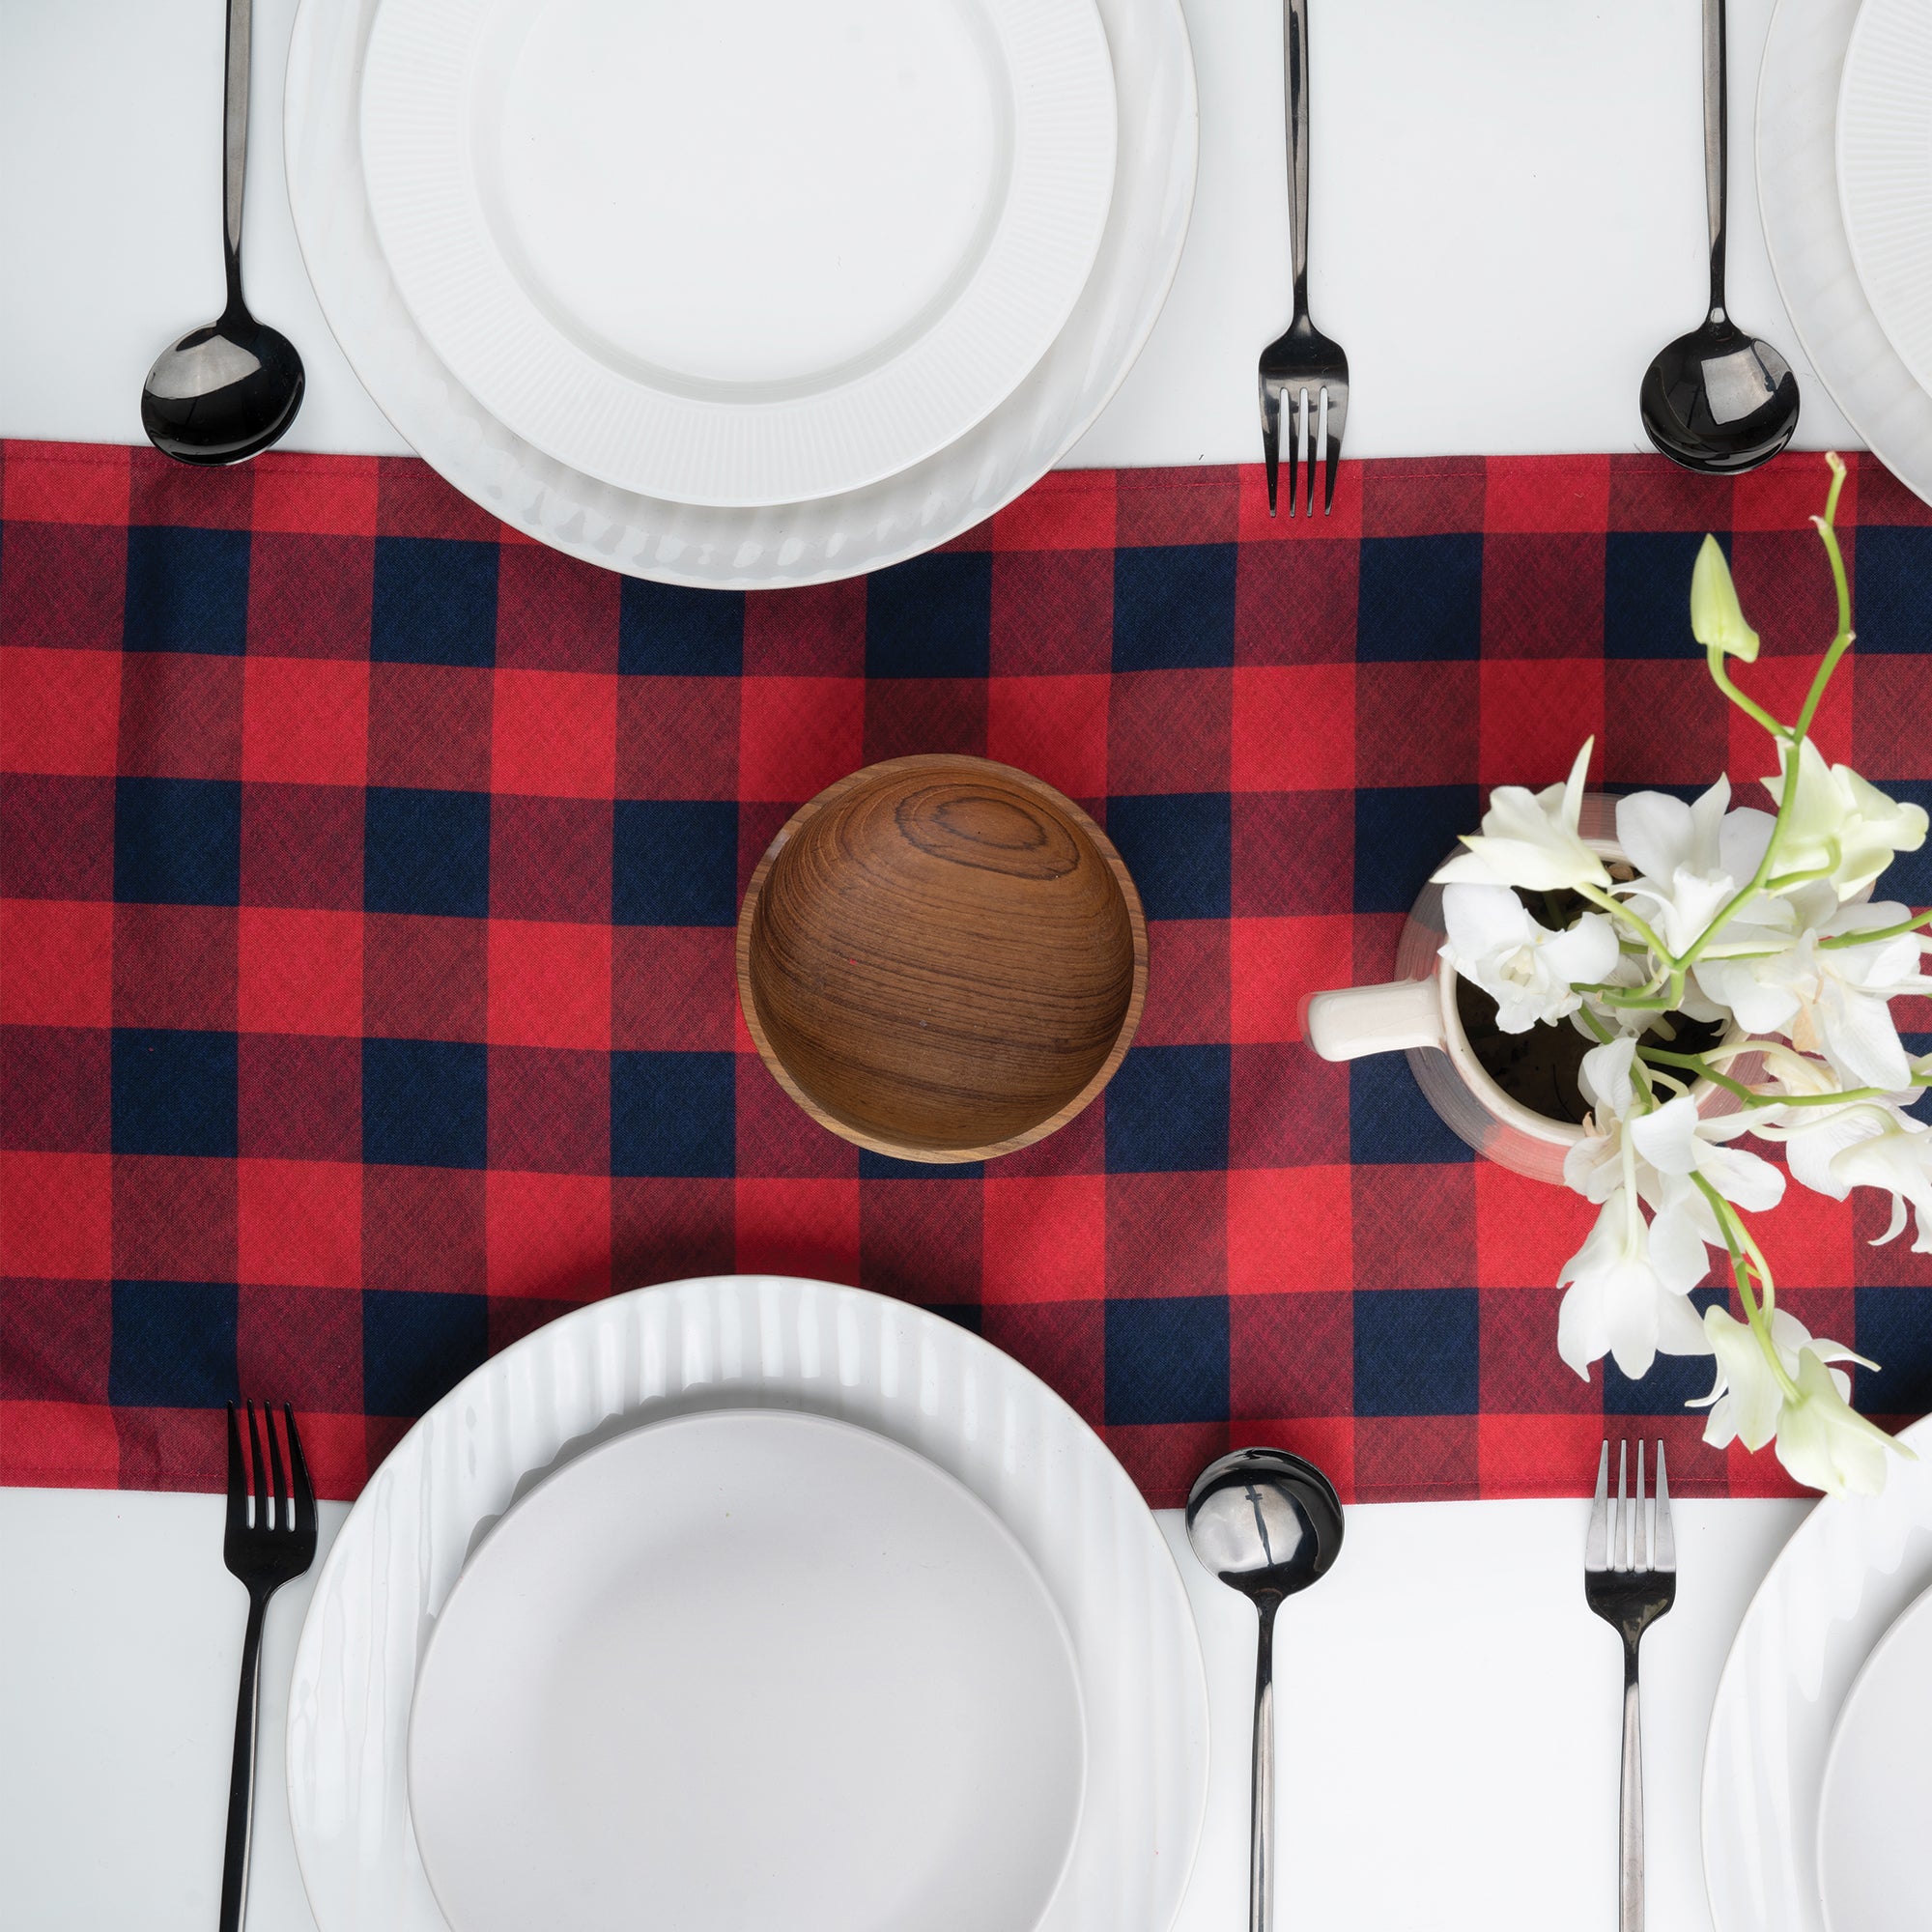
(1878, 932)
(1747, 1259)
(1714, 656)
(1616, 908)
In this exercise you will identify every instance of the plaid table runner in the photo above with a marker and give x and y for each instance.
(369, 881)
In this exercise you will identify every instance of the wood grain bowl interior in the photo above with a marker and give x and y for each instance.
(942, 959)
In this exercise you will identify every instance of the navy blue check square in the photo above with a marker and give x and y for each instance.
(178, 841)
(1420, 599)
(1167, 1359)
(173, 1345)
(1647, 593)
(174, 1092)
(1416, 1351)
(666, 629)
(1895, 1330)
(417, 1346)
(187, 590)
(1177, 846)
(1403, 833)
(1890, 568)
(931, 617)
(435, 602)
(426, 852)
(1390, 1122)
(425, 1102)
(674, 862)
(1167, 1110)
(673, 1114)
(1173, 606)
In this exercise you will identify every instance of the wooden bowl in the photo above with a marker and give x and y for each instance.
(942, 959)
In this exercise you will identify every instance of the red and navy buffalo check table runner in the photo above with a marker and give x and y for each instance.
(369, 881)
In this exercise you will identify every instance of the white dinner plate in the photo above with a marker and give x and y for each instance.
(1810, 255)
(1884, 171)
(759, 1669)
(745, 253)
(1850, 1568)
(1873, 1871)
(757, 1343)
(808, 542)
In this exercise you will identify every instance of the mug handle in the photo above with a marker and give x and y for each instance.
(1359, 1020)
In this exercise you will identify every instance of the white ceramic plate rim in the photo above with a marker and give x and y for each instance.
(1916, 1612)
(619, 428)
(1872, 169)
(701, 1344)
(1805, 233)
(886, 1445)
(815, 542)
(1866, 1524)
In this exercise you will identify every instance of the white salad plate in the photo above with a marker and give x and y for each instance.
(747, 1669)
(1884, 171)
(1810, 253)
(1873, 1869)
(746, 253)
(760, 1343)
(1836, 1587)
(813, 540)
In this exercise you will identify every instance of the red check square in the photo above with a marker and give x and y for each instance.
(678, 737)
(1538, 493)
(1169, 731)
(1665, 723)
(1055, 728)
(554, 612)
(60, 711)
(1052, 612)
(422, 1230)
(1526, 1229)
(1289, 1230)
(797, 734)
(429, 725)
(61, 1446)
(1275, 965)
(674, 989)
(305, 720)
(1065, 510)
(549, 983)
(181, 715)
(423, 977)
(1044, 1239)
(63, 586)
(300, 1222)
(1294, 727)
(300, 971)
(807, 1228)
(58, 966)
(65, 483)
(549, 1235)
(1416, 723)
(56, 1215)
(174, 1218)
(1534, 717)
(315, 496)
(554, 734)
(310, 597)
(175, 966)
(1187, 984)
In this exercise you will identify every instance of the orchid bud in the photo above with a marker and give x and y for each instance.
(1717, 620)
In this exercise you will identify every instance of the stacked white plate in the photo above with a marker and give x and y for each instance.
(1844, 169)
(749, 294)
(748, 1601)
(1818, 1772)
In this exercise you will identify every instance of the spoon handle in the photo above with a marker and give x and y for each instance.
(1261, 1865)
(235, 141)
(1716, 147)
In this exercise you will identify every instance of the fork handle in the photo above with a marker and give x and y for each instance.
(1295, 36)
(1629, 1861)
(241, 1775)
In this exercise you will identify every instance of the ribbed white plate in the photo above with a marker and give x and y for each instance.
(808, 542)
(750, 1341)
(1804, 230)
(746, 253)
(1852, 1565)
(1884, 171)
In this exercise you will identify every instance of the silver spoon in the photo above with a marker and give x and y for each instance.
(1267, 1523)
(225, 392)
(1718, 400)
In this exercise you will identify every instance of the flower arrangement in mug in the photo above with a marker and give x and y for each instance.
(1762, 924)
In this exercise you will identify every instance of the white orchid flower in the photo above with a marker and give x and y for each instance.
(1836, 820)
(1865, 1144)
(1626, 1292)
(1525, 967)
(1822, 1440)
(1691, 859)
(1830, 1000)
(1530, 838)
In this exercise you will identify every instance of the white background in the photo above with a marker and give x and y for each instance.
(1508, 222)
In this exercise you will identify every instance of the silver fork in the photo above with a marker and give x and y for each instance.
(1302, 368)
(1630, 1579)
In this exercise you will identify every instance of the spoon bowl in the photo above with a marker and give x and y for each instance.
(1718, 400)
(1267, 1523)
(223, 392)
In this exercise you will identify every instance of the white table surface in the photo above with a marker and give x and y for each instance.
(1499, 168)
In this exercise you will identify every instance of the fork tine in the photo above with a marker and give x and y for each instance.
(1292, 412)
(284, 1514)
(238, 1478)
(1311, 412)
(1665, 1554)
(1639, 1527)
(1271, 435)
(1336, 415)
(304, 1491)
(1620, 1532)
(1597, 1538)
(261, 1514)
